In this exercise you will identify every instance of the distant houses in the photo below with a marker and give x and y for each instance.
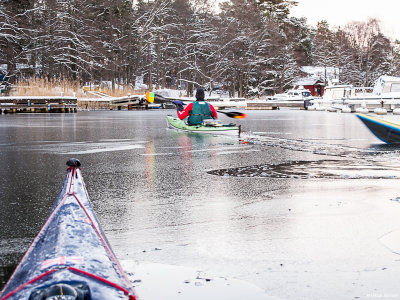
(315, 86)
(315, 78)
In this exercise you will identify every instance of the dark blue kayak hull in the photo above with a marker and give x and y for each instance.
(387, 132)
(71, 248)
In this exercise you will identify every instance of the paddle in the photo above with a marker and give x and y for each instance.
(151, 97)
(233, 114)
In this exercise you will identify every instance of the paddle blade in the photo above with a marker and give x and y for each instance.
(234, 114)
(241, 116)
(150, 97)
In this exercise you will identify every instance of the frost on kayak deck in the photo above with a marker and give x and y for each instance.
(70, 252)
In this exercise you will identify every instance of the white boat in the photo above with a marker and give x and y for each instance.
(300, 94)
(385, 94)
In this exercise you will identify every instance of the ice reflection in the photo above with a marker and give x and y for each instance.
(150, 162)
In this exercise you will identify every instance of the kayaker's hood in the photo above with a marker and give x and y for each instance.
(200, 94)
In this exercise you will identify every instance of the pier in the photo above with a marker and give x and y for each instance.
(38, 104)
(113, 103)
(64, 104)
(127, 102)
(273, 105)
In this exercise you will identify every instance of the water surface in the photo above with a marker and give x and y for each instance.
(302, 205)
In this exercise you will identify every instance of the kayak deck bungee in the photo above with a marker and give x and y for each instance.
(228, 129)
(70, 258)
(387, 132)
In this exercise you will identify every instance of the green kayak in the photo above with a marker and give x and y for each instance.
(211, 127)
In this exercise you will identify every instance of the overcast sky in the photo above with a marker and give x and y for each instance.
(340, 12)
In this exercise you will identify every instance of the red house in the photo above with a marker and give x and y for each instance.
(315, 86)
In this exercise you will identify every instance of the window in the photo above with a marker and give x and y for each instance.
(395, 87)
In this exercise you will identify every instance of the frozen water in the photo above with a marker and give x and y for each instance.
(176, 282)
(328, 169)
(300, 207)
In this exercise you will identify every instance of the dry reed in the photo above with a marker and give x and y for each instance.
(44, 87)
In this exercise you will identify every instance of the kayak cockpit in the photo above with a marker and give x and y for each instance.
(62, 291)
(209, 127)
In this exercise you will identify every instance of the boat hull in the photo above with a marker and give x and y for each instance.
(176, 123)
(387, 132)
(70, 250)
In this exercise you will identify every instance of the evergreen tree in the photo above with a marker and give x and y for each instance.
(251, 47)
(323, 48)
(395, 64)
(343, 57)
(298, 31)
(277, 9)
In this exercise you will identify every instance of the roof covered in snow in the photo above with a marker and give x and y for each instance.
(307, 81)
(379, 86)
(320, 71)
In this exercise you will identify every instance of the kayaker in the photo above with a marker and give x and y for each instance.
(196, 111)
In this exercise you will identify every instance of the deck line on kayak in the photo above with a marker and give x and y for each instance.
(28, 283)
(40, 232)
(105, 244)
(72, 189)
(132, 297)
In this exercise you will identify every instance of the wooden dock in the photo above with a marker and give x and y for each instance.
(36, 104)
(136, 102)
(127, 102)
(273, 105)
(62, 104)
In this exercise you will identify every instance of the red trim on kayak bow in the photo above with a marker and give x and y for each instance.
(132, 297)
(112, 256)
(27, 283)
(101, 279)
(40, 232)
(70, 191)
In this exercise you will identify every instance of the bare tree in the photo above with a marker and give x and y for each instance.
(362, 37)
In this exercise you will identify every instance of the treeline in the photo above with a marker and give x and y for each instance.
(250, 47)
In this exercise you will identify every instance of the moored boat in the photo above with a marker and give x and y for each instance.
(299, 94)
(387, 132)
(70, 258)
(384, 94)
(225, 129)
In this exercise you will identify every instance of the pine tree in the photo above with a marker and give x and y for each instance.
(395, 64)
(323, 48)
(343, 58)
(277, 9)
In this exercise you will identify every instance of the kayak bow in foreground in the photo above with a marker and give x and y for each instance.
(70, 258)
(229, 129)
(387, 132)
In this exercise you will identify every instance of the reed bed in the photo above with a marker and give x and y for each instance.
(44, 87)
(119, 91)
